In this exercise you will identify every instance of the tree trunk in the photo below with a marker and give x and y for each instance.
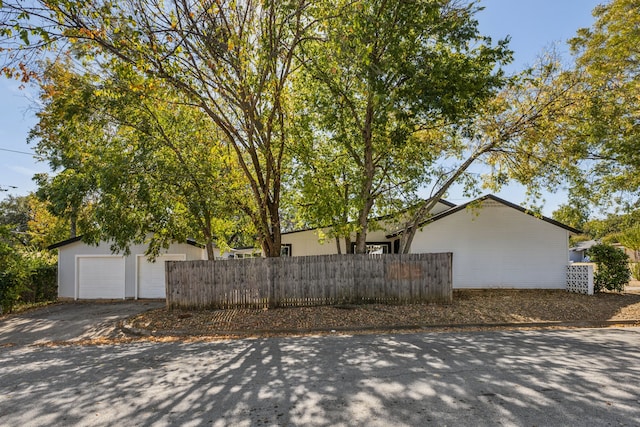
(411, 227)
(210, 253)
(73, 226)
(367, 185)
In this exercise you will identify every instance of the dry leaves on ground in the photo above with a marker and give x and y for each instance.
(469, 307)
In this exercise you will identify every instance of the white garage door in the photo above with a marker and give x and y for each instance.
(100, 277)
(151, 275)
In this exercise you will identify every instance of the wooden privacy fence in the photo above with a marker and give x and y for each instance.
(309, 280)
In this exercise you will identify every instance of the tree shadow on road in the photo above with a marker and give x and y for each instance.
(585, 377)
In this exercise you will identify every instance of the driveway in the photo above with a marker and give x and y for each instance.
(69, 322)
(575, 377)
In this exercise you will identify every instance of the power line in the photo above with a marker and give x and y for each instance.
(17, 151)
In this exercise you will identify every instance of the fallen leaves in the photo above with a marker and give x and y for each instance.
(469, 307)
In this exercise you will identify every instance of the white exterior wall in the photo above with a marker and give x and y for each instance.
(304, 243)
(498, 247)
(308, 242)
(68, 254)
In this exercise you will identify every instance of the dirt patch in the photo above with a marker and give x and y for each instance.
(469, 307)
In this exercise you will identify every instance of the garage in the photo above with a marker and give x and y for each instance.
(100, 277)
(87, 271)
(150, 278)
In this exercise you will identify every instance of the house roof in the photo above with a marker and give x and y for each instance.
(379, 218)
(583, 246)
(189, 241)
(65, 242)
(496, 199)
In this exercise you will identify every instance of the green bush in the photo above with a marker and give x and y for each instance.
(11, 286)
(612, 272)
(42, 285)
(27, 277)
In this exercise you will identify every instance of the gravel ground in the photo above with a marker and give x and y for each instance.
(480, 308)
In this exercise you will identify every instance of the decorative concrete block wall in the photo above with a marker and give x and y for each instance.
(580, 278)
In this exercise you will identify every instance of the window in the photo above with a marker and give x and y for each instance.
(248, 255)
(285, 249)
(375, 248)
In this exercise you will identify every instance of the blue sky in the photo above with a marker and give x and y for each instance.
(532, 25)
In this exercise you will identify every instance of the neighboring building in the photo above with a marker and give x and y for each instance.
(94, 272)
(578, 253)
(634, 256)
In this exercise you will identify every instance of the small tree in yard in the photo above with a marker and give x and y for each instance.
(612, 268)
(630, 239)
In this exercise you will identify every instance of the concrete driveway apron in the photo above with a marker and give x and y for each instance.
(69, 322)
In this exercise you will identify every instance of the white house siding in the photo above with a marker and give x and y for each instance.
(316, 242)
(307, 242)
(498, 247)
(69, 254)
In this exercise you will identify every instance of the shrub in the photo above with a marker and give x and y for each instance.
(12, 284)
(26, 276)
(42, 286)
(612, 271)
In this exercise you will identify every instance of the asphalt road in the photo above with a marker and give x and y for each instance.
(586, 377)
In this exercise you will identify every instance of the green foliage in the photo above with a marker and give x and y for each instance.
(611, 239)
(607, 120)
(139, 164)
(22, 282)
(630, 238)
(229, 61)
(15, 213)
(30, 222)
(25, 274)
(574, 214)
(12, 274)
(612, 271)
(381, 95)
(612, 225)
(11, 286)
(344, 108)
(635, 270)
(43, 285)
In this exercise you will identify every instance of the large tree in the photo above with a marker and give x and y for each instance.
(607, 56)
(517, 134)
(137, 159)
(29, 222)
(233, 59)
(387, 82)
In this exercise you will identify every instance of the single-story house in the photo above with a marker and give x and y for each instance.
(495, 244)
(95, 272)
(578, 253)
